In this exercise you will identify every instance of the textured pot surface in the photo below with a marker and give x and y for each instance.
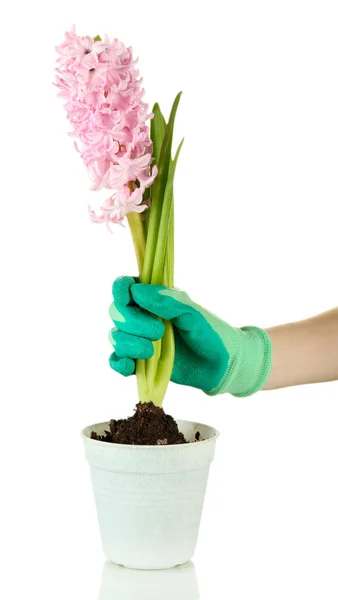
(149, 499)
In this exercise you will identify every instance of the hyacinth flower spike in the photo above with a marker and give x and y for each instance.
(100, 84)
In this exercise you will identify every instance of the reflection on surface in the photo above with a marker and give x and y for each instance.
(118, 583)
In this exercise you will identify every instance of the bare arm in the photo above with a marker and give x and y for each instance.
(304, 352)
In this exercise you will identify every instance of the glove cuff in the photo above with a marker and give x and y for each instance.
(250, 366)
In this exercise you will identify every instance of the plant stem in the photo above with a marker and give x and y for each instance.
(142, 384)
(139, 239)
(154, 248)
(151, 368)
(166, 361)
(165, 365)
(157, 384)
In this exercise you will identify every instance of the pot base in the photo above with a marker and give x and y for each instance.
(131, 568)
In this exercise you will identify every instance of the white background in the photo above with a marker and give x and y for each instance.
(256, 206)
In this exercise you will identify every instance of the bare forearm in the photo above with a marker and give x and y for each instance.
(304, 352)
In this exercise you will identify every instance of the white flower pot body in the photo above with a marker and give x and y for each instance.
(149, 499)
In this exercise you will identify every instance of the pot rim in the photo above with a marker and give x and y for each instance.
(147, 447)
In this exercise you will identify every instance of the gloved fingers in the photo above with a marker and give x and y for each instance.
(121, 289)
(137, 322)
(124, 366)
(130, 346)
(166, 303)
(169, 304)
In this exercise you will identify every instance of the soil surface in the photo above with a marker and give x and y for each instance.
(149, 426)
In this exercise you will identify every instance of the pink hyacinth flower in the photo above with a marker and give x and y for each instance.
(103, 100)
(115, 208)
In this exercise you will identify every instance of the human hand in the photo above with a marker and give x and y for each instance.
(209, 354)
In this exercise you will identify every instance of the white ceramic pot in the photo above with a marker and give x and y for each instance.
(118, 583)
(149, 499)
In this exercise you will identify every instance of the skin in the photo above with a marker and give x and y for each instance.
(304, 352)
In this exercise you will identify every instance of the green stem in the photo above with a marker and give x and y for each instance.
(142, 384)
(139, 239)
(165, 365)
(166, 360)
(154, 248)
(151, 368)
(159, 366)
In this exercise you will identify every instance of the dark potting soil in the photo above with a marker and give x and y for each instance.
(149, 426)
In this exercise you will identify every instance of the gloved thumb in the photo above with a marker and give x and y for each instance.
(167, 303)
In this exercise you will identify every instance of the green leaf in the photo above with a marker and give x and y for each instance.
(168, 276)
(157, 131)
(157, 194)
(164, 226)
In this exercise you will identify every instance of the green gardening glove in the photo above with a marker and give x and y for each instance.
(209, 354)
